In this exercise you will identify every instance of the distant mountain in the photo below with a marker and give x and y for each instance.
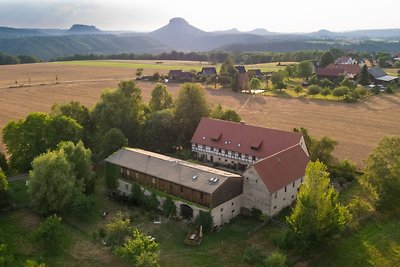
(179, 35)
(7, 32)
(83, 29)
(229, 31)
(260, 31)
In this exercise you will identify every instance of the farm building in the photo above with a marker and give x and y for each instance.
(238, 145)
(272, 183)
(379, 76)
(333, 71)
(193, 187)
(208, 72)
(179, 76)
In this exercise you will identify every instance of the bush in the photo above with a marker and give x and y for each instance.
(50, 233)
(344, 169)
(151, 202)
(276, 259)
(137, 196)
(118, 230)
(252, 255)
(204, 219)
(83, 206)
(169, 207)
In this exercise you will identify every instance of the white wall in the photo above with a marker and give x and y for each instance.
(226, 211)
(255, 193)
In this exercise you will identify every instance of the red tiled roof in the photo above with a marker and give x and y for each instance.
(329, 72)
(283, 168)
(240, 137)
(351, 69)
(335, 70)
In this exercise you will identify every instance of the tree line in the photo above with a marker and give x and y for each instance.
(20, 59)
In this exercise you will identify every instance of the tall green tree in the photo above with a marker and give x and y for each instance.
(191, 105)
(317, 215)
(160, 98)
(34, 135)
(305, 69)
(364, 79)
(326, 59)
(122, 109)
(4, 197)
(112, 141)
(52, 185)
(80, 113)
(227, 73)
(381, 179)
(80, 159)
(160, 131)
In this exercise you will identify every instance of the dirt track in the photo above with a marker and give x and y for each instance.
(357, 127)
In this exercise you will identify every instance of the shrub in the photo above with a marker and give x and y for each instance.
(83, 206)
(276, 259)
(169, 207)
(255, 213)
(252, 255)
(137, 196)
(204, 219)
(50, 233)
(151, 202)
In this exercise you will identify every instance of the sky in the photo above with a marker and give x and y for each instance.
(208, 15)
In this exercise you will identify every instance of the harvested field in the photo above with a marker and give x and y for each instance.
(357, 127)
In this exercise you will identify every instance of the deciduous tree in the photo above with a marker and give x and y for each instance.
(30, 137)
(191, 105)
(326, 59)
(52, 183)
(381, 179)
(50, 233)
(112, 141)
(141, 250)
(118, 230)
(305, 69)
(314, 90)
(160, 98)
(317, 215)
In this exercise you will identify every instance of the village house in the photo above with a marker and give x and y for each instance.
(333, 71)
(346, 60)
(238, 145)
(193, 187)
(241, 69)
(179, 76)
(207, 72)
(272, 183)
(255, 73)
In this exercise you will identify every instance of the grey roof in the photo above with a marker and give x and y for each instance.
(377, 72)
(170, 169)
(387, 78)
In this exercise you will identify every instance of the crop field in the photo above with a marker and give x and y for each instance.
(357, 127)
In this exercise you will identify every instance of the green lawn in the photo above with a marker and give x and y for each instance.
(377, 243)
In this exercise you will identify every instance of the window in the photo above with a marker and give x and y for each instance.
(256, 181)
(276, 194)
(201, 196)
(137, 175)
(222, 209)
(285, 188)
(219, 150)
(233, 211)
(232, 203)
(274, 207)
(254, 158)
(292, 196)
(127, 172)
(122, 170)
(126, 186)
(153, 180)
(293, 184)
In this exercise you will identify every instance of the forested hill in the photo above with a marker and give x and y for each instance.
(48, 47)
(291, 46)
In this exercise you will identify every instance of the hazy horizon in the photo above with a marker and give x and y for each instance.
(283, 16)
